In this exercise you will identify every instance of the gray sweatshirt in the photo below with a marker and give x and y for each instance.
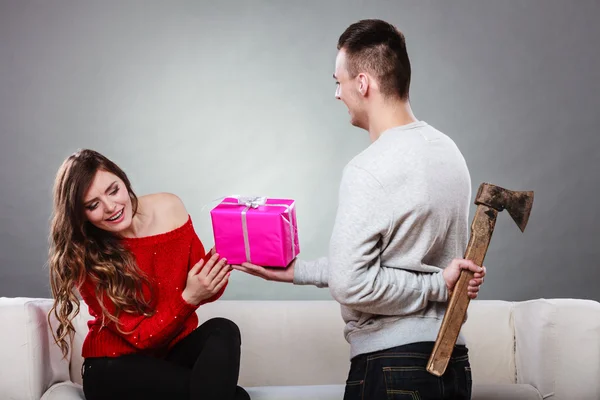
(402, 217)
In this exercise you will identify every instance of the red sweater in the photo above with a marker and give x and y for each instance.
(166, 258)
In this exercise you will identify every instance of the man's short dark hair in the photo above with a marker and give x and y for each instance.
(377, 47)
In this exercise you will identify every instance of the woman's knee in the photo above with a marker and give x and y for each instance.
(223, 326)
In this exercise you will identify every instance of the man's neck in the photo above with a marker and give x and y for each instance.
(387, 115)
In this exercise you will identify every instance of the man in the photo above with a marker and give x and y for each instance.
(402, 217)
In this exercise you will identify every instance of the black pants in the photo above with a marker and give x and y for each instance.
(203, 366)
(400, 373)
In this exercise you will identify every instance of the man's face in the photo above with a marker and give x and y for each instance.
(347, 90)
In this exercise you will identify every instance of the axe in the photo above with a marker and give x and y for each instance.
(490, 199)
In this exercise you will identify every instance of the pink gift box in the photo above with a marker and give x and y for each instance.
(259, 230)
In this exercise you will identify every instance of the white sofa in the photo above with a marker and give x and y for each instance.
(539, 349)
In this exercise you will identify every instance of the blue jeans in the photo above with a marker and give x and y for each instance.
(400, 373)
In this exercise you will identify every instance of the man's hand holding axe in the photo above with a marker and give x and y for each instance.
(490, 199)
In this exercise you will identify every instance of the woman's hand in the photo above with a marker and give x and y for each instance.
(205, 280)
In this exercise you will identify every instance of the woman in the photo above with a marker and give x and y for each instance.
(142, 270)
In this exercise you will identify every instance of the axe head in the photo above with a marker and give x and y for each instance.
(518, 204)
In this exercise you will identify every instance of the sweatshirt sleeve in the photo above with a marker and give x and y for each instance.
(356, 278)
(315, 272)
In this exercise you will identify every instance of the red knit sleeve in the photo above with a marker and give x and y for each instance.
(171, 311)
(149, 332)
(199, 253)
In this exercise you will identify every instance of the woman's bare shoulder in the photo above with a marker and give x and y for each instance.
(167, 209)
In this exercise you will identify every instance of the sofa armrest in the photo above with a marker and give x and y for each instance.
(558, 347)
(31, 362)
(64, 391)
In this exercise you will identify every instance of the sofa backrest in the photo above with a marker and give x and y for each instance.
(302, 342)
(283, 342)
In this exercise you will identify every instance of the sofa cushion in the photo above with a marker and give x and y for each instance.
(287, 343)
(315, 392)
(336, 392)
(81, 331)
(505, 392)
(489, 333)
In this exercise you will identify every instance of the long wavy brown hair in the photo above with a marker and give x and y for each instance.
(80, 250)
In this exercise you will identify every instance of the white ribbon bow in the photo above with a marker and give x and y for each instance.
(252, 201)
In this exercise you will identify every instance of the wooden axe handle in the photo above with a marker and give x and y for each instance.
(481, 233)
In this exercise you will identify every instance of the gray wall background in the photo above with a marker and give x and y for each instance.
(205, 99)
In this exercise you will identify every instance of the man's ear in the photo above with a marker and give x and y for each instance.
(363, 84)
